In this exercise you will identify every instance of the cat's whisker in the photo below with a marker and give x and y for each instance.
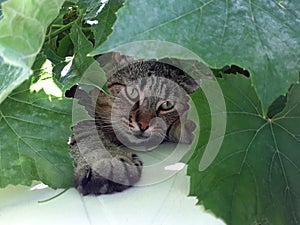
(162, 135)
(141, 91)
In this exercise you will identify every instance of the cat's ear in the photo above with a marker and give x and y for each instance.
(196, 70)
(189, 84)
(121, 60)
(113, 61)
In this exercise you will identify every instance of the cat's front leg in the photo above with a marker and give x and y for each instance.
(100, 170)
(106, 176)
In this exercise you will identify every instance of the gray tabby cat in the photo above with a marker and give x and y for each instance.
(148, 105)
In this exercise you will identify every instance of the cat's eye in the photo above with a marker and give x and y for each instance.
(132, 93)
(167, 105)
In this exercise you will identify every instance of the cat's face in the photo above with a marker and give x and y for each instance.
(145, 109)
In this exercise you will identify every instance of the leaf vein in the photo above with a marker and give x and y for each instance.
(176, 18)
(37, 106)
(277, 152)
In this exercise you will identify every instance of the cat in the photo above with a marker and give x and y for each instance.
(147, 104)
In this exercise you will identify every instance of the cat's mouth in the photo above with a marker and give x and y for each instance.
(142, 136)
(140, 139)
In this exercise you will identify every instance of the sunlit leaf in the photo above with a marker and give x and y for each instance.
(23, 29)
(34, 131)
(10, 77)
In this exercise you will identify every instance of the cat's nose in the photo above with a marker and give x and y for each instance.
(143, 125)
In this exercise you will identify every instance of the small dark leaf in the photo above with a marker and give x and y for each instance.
(277, 106)
(106, 19)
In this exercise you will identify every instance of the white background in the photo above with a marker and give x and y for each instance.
(163, 203)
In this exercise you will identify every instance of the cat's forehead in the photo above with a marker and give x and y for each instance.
(155, 88)
(150, 81)
(149, 75)
(142, 69)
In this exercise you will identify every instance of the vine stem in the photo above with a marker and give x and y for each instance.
(55, 196)
(57, 25)
(59, 30)
(64, 27)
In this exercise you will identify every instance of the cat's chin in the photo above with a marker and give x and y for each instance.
(143, 137)
(141, 142)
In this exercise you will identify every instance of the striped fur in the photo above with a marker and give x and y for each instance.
(149, 105)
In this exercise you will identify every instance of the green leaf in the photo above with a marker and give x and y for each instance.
(255, 178)
(82, 46)
(261, 36)
(91, 8)
(34, 131)
(65, 45)
(83, 69)
(10, 78)
(69, 73)
(23, 27)
(106, 18)
(80, 61)
(1, 1)
(25, 23)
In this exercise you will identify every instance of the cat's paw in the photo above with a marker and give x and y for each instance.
(108, 175)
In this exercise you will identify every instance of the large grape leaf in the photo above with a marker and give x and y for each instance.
(261, 36)
(255, 178)
(23, 28)
(34, 130)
